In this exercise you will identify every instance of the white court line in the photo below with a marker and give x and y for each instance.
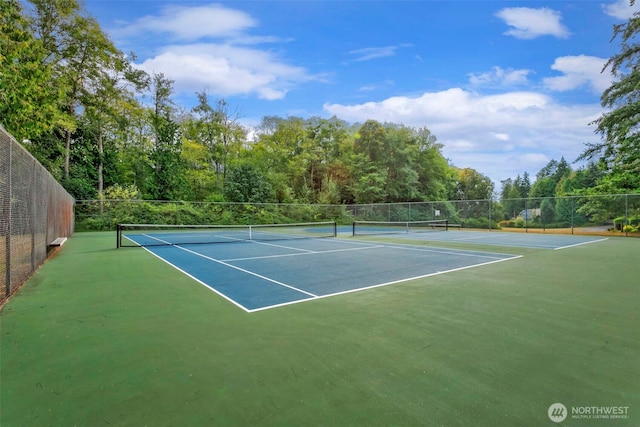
(237, 304)
(246, 271)
(313, 296)
(475, 237)
(306, 253)
(447, 252)
(386, 284)
(580, 244)
(281, 246)
(463, 252)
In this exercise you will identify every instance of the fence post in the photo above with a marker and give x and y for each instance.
(572, 208)
(490, 227)
(34, 213)
(626, 214)
(8, 226)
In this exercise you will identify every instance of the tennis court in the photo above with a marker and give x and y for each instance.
(431, 231)
(266, 269)
(117, 337)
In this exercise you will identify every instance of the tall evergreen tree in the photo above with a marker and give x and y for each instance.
(619, 127)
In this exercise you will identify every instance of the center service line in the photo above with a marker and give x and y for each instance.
(247, 271)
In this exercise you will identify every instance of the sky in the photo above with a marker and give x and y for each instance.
(505, 86)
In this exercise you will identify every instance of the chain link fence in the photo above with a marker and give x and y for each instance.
(34, 211)
(570, 214)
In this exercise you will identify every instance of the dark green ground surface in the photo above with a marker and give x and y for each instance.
(101, 336)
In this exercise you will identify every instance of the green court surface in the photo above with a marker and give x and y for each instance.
(102, 336)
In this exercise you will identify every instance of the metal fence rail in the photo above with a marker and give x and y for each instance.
(34, 211)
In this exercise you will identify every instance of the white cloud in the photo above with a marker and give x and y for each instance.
(501, 136)
(539, 159)
(530, 23)
(192, 23)
(377, 86)
(500, 76)
(578, 71)
(225, 70)
(494, 134)
(369, 53)
(621, 9)
(212, 50)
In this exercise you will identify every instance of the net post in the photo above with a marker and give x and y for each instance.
(335, 229)
(446, 224)
(118, 236)
(353, 229)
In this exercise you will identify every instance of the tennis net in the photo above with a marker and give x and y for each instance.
(158, 235)
(394, 227)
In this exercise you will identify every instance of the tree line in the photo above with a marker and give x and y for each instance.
(106, 129)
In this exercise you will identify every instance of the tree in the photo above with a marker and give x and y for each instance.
(72, 43)
(619, 152)
(547, 211)
(368, 173)
(368, 184)
(523, 185)
(511, 199)
(219, 131)
(328, 141)
(400, 154)
(105, 99)
(245, 183)
(29, 98)
(436, 177)
(556, 170)
(472, 185)
(475, 188)
(543, 187)
(168, 172)
(562, 170)
(370, 141)
(198, 176)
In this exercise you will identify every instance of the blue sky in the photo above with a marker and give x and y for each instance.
(505, 86)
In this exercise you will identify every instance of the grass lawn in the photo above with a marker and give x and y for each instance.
(100, 336)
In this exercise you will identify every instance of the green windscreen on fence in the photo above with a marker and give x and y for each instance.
(35, 210)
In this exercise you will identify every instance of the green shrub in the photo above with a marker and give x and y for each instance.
(482, 223)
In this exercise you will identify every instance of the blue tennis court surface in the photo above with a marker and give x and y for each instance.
(501, 238)
(259, 275)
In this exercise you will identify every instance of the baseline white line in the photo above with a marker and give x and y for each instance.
(580, 244)
(387, 283)
(246, 271)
